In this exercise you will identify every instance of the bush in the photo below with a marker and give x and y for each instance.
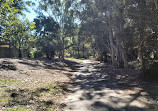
(38, 54)
(32, 52)
(151, 72)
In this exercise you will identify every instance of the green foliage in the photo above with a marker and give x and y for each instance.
(14, 30)
(47, 35)
(63, 12)
(82, 29)
(38, 54)
(129, 21)
(32, 52)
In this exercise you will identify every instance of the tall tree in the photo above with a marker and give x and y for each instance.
(14, 30)
(47, 31)
(63, 13)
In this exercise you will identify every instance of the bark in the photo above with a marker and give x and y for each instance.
(62, 51)
(140, 50)
(63, 48)
(124, 56)
(113, 57)
(20, 53)
(78, 51)
(120, 63)
(105, 56)
(112, 47)
(83, 49)
(156, 4)
(120, 43)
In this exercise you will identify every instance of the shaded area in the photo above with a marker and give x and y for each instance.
(72, 64)
(56, 64)
(7, 65)
(104, 88)
(100, 106)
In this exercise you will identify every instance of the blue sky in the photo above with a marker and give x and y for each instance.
(31, 14)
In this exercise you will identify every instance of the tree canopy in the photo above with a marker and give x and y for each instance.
(121, 30)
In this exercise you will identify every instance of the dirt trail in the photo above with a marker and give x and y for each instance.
(96, 91)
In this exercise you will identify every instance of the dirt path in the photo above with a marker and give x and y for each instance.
(94, 90)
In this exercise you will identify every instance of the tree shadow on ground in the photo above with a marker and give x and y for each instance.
(100, 106)
(7, 65)
(72, 64)
(114, 89)
(56, 64)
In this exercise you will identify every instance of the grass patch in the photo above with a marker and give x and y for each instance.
(12, 109)
(4, 96)
(54, 88)
(8, 82)
(42, 97)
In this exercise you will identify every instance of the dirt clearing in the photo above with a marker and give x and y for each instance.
(35, 85)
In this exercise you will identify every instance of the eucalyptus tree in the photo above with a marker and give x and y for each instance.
(47, 31)
(104, 20)
(127, 25)
(63, 12)
(93, 25)
(144, 16)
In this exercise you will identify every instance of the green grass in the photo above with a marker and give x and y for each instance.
(4, 96)
(4, 99)
(8, 82)
(21, 109)
(53, 87)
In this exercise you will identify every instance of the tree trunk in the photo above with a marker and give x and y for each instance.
(141, 59)
(120, 63)
(156, 4)
(62, 48)
(113, 57)
(83, 49)
(20, 53)
(124, 56)
(78, 50)
(140, 50)
(113, 47)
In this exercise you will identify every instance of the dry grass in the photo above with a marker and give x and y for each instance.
(32, 85)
